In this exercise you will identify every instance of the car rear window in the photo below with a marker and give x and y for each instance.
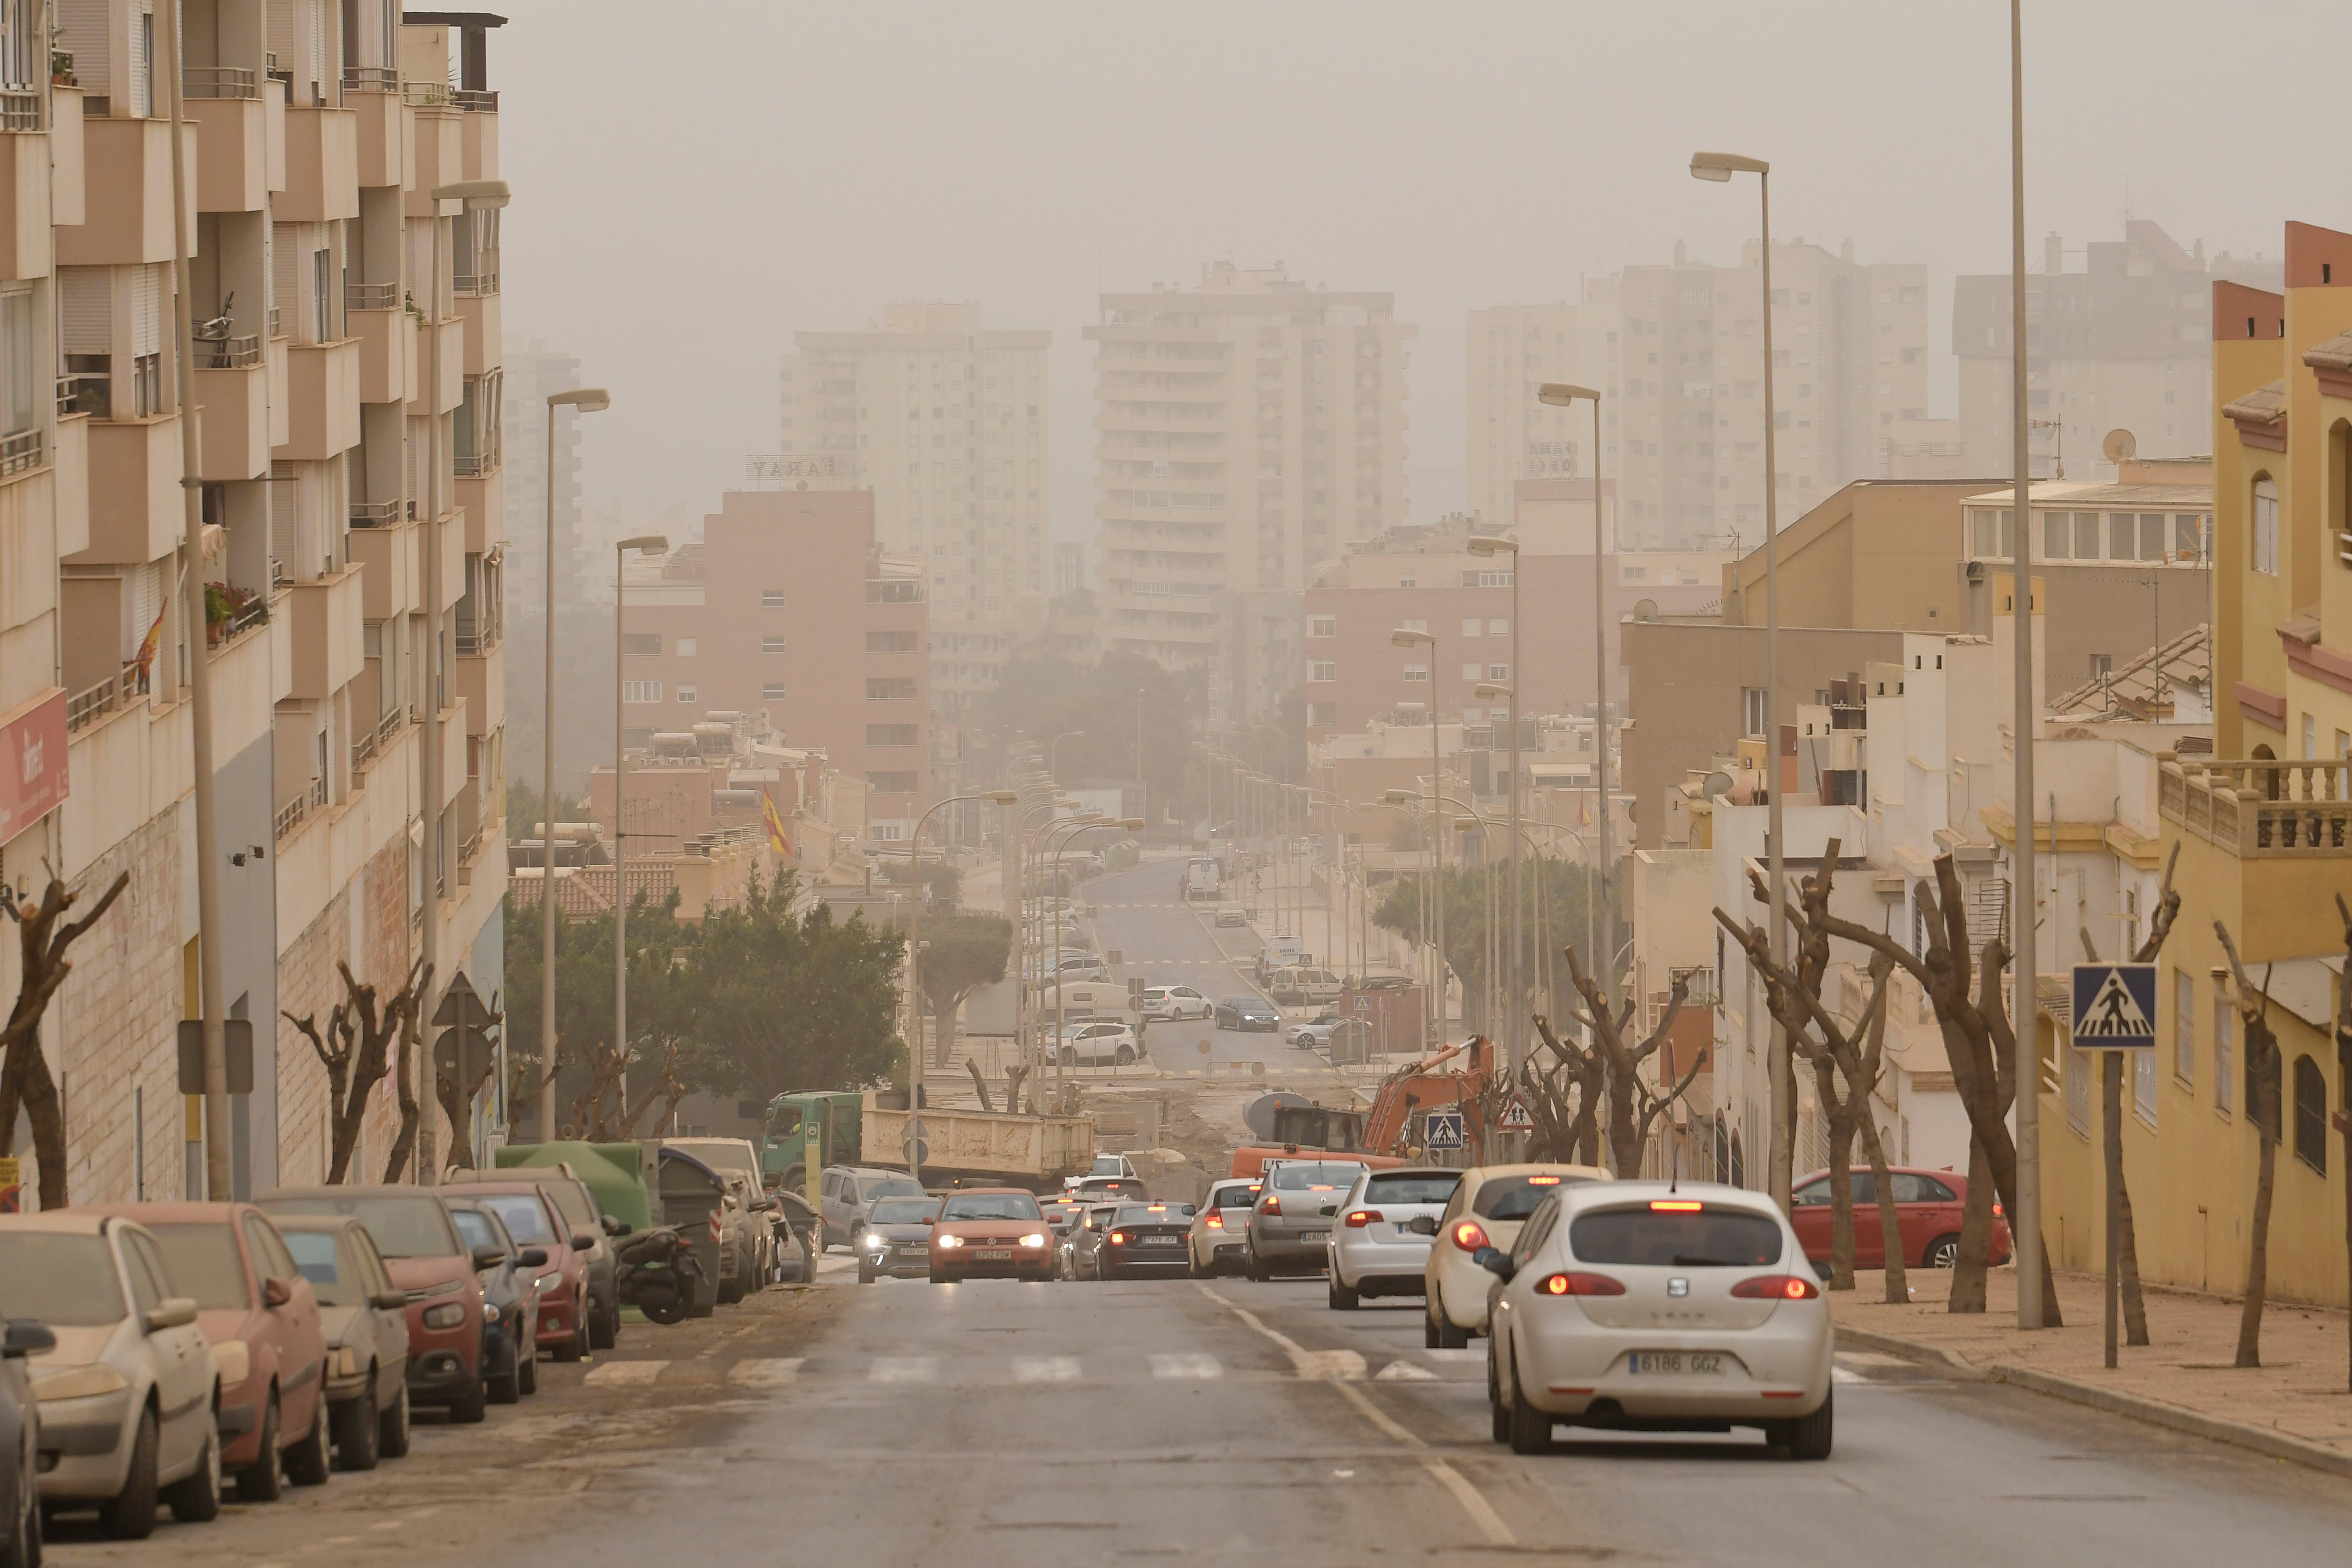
(1291, 1178)
(314, 1255)
(905, 1210)
(204, 1263)
(66, 1281)
(402, 1226)
(1150, 1214)
(991, 1206)
(1516, 1197)
(1411, 1186)
(476, 1227)
(522, 1214)
(1683, 1238)
(1239, 1197)
(571, 1203)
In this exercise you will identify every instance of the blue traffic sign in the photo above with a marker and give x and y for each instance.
(1442, 1129)
(2115, 1006)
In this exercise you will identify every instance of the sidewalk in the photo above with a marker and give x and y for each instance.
(2293, 1407)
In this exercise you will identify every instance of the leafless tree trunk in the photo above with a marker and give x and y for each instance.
(24, 1081)
(352, 1049)
(2344, 1077)
(1565, 1101)
(1631, 1107)
(979, 1083)
(2263, 1063)
(404, 1143)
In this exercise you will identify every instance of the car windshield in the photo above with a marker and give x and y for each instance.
(476, 1227)
(1291, 1178)
(1238, 1196)
(522, 1214)
(991, 1206)
(1680, 1238)
(723, 1154)
(314, 1254)
(905, 1210)
(66, 1281)
(894, 1187)
(572, 1205)
(1105, 1165)
(1411, 1186)
(203, 1263)
(1516, 1197)
(401, 1226)
(1150, 1214)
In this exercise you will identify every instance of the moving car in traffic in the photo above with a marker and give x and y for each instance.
(1081, 1247)
(1650, 1306)
(1219, 1229)
(896, 1240)
(1381, 1246)
(1248, 1012)
(1144, 1239)
(1293, 1216)
(364, 1317)
(849, 1193)
(985, 1232)
(1487, 1208)
(1175, 1002)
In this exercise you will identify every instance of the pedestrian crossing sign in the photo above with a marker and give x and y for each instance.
(2115, 1006)
(1442, 1129)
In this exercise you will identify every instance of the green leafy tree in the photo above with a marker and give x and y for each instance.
(1557, 897)
(584, 999)
(962, 952)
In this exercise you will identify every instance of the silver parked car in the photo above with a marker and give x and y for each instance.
(364, 1317)
(127, 1396)
(1294, 1215)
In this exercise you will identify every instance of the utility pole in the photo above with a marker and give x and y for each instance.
(2024, 1014)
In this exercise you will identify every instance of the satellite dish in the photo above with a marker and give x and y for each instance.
(1258, 1115)
(1645, 609)
(1717, 783)
(2120, 446)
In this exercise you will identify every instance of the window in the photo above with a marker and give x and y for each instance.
(20, 379)
(1498, 627)
(1471, 625)
(889, 642)
(2225, 1050)
(771, 598)
(2151, 536)
(1322, 626)
(772, 691)
(2057, 535)
(1993, 531)
(1322, 715)
(2102, 664)
(1470, 671)
(2267, 526)
(1408, 580)
(1752, 708)
(1416, 672)
(684, 647)
(642, 644)
(688, 694)
(891, 783)
(1498, 672)
(2310, 1114)
(890, 688)
(2187, 536)
(1323, 669)
(890, 734)
(2143, 1085)
(641, 690)
(771, 644)
(2184, 1028)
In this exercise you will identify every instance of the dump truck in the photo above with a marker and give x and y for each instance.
(967, 1147)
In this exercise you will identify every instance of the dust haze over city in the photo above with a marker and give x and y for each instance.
(692, 714)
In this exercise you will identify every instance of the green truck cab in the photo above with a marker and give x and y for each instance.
(833, 1122)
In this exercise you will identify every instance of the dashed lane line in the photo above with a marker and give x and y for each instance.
(904, 1369)
(1045, 1368)
(1187, 1368)
(765, 1373)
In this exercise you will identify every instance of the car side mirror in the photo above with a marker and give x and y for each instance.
(276, 1292)
(1495, 1261)
(1423, 1225)
(171, 1312)
(932, 1221)
(488, 1256)
(616, 1229)
(583, 1242)
(532, 1257)
(25, 1337)
(389, 1301)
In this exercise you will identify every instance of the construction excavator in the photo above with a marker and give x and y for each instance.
(1392, 1133)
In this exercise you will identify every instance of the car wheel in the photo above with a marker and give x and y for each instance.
(1944, 1252)
(1531, 1427)
(1343, 1297)
(576, 1348)
(1254, 1265)
(1192, 1268)
(197, 1497)
(1123, 1057)
(605, 1329)
(1497, 1414)
(1808, 1436)
(469, 1403)
(258, 1482)
(1070, 1056)
(527, 1373)
(309, 1460)
(129, 1514)
(391, 1429)
(22, 1549)
(504, 1387)
(359, 1431)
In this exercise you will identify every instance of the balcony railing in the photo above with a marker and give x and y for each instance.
(2257, 808)
(371, 79)
(20, 111)
(484, 459)
(20, 451)
(86, 391)
(229, 354)
(219, 81)
(425, 94)
(475, 100)
(371, 296)
(894, 590)
(473, 282)
(95, 701)
(362, 755)
(290, 814)
(379, 513)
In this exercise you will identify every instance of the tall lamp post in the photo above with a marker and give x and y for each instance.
(1406, 637)
(1515, 1037)
(644, 544)
(1007, 799)
(587, 400)
(1053, 756)
(1721, 167)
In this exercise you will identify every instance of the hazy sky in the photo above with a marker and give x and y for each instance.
(686, 199)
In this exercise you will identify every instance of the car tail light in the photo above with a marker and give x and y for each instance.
(1359, 1218)
(1469, 1234)
(1996, 1208)
(1215, 1222)
(1777, 1288)
(1273, 1205)
(1119, 1238)
(1579, 1284)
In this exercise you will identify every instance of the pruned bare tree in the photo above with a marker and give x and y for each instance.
(409, 1033)
(1630, 1106)
(2262, 1067)
(2343, 1076)
(353, 1048)
(44, 937)
(1564, 1099)
(605, 1114)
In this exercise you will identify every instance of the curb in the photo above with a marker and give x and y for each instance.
(2155, 1411)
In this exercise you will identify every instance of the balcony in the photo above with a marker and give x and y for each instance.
(450, 335)
(232, 139)
(482, 314)
(483, 498)
(322, 166)
(326, 617)
(477, 134)
(437, 136)
(387, 339)
(127, 169)
(373, 743)
(296, 812)
(384, 542)
(322, 386)
(454, 777)
(2261, 809)
(135, 513)
(23, 203)
(233, 389)
(482, 681)
(372, 93)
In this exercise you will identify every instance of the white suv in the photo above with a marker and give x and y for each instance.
(1176, 1001)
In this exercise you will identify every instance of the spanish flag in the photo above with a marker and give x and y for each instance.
(777, 840)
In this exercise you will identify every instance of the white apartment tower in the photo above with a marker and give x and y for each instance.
(1248, 430)
(534, 372)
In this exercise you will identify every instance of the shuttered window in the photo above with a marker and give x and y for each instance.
(278, 32)
(143, 58)
(317, 19)
(81, 32)
(85, 309)
(147, 310)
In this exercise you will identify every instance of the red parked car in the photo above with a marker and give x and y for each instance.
(1927, 1206)
(533, 1219)
(261, 1317)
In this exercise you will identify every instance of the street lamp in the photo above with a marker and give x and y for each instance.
(1053, 756)
(644, 544)
(1514, 1037)
(1003, 798)
(1404, 636)
(1780, 1175)
(587, 400)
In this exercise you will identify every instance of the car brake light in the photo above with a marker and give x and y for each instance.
(1274, 1205)
(1777, 1288)
(1543, 1181)
(1359, 1218)
(1119, 1238)
(1677, 1205)
(1579, 1284)
(1469, 1236)
(1996, 1208)
(1216, 1222)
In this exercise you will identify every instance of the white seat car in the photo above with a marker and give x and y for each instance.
(1381, 1244)
(1485, 1210)
(1099, 1042)
(1220, 1227)
(1645, 1306)
(1175, 1002)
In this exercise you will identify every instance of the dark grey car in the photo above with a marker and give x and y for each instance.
(1294, 1212)
(896, 1239)
(364, 1317)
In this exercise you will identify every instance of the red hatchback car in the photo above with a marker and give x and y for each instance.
(533, 1219)
(261, 1317)
(1927, 1206)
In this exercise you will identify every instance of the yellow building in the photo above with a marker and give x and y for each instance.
(2263, 826)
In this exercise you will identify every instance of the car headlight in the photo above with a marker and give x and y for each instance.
(448, 1315)
(489, 1312)
(875, 1243)
(77, 1381)
(233, 1360)
(951, 1241)
(1035, 1238)
(550, 1282)
(347, 1362)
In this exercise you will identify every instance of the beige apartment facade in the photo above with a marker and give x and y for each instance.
(1248, 429)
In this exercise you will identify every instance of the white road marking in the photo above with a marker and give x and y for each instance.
(904, 1369)
(1403, 1371)
(1442, 1356)
(765, 1371)
(623, 1374)
(1842, 1374)
(1045, 1368)
(1328, 1365)
(1196, 1368)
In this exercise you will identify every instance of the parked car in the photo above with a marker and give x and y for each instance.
(565, 1169)
(984, 1231)
(509, 1279)
(559, 1285)
(1927, 1206)
(1232, 915)
(1176, 1002)
(261, 1317)
(20, 1442)
(1093, 1190)
(364, 1317)
(849, 1193)
(1248, 1012)
(1079, 966)
(896, 1239)
(1099, 1042)
(423, 1253)
(1296, 1209)
(1298, 987)
(1662, 1307)
(1378, 1248)
(1488, 1207)
(126, 1394)
(1220, 1227)
(1144, 1239)
(1321, 1032)
(1104, 1165)
(748, 1208)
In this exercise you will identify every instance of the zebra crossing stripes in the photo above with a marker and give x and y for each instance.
(765, 1371)
(624, 1374)
(1181, 1368)
(1045, 1368)
(904, 1369)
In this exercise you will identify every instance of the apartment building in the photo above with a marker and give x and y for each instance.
(533, 373)
(1249, 428)
(1677, 352)
(788, 609)
(944, 420)
(2119, 344)
(346, 441)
